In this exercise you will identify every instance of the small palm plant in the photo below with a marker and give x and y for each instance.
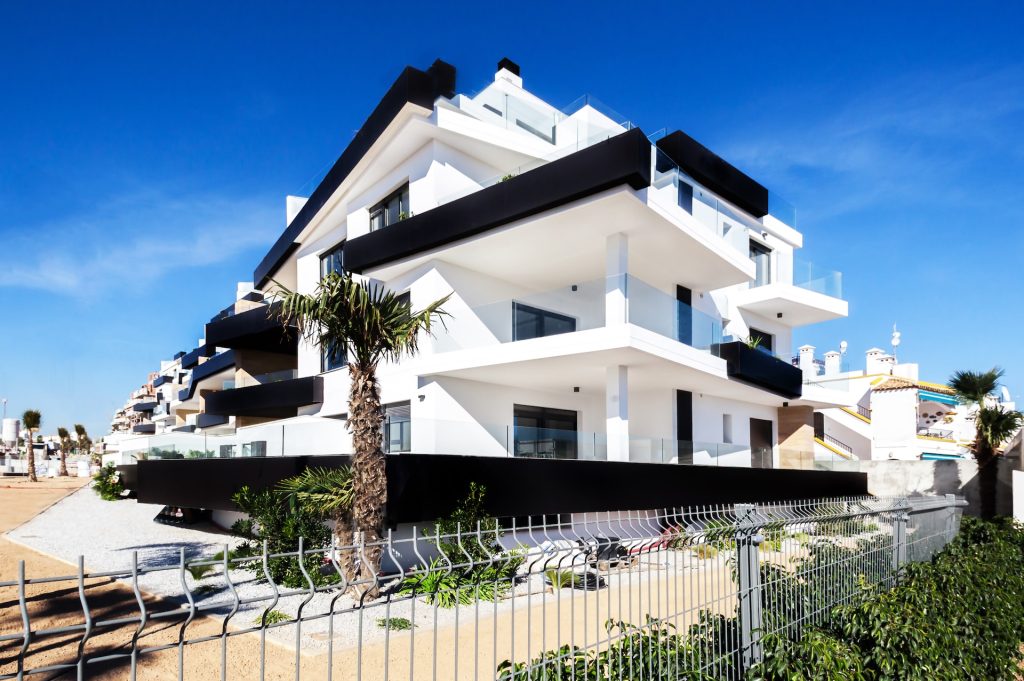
(993, 427)
(327, 491)
(372, 325)
(65, 445)
(31, 420)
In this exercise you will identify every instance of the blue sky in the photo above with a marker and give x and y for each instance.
(145, 152)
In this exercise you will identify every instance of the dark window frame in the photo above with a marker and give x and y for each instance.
(543, 415)
(767, 344)
(404, 425)
(327, 258)
(543, 315)
(758, 248)
(382, 212)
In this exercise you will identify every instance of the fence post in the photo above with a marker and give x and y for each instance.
(899, 536)
(748, 572)
(950, 517)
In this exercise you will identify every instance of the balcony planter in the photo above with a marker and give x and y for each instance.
(279, 399)
(753, 366)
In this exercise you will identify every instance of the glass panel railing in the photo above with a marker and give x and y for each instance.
(813, 278)
(674, 191)
(576, 307)
(276, 376)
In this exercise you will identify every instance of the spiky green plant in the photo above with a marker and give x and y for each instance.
(31, 420)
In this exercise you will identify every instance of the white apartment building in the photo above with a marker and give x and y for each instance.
(894, 413)
(607, 289)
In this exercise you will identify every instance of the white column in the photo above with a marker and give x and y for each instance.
(617, 412)
(616, 266)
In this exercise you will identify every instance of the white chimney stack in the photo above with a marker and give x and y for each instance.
(833, 363)
(807, 361)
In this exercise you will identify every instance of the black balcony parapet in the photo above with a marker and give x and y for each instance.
(208, 368)
(622, 160)
(145, 406)
(278, 399)
(753, 366)
(192, 359)
(413, 86)
(144, 428)
(160, 380)
(255, 329)
(715, 173)
(210, 420)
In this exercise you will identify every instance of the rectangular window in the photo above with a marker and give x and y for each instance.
(765, 340)
(727, 428)
(545, 433)
(762, 257)
(333, 261)
(532, 322)
(334, 356)
(686, 197)
(391, 210)
(397, 427)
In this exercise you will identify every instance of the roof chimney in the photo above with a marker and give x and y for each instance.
(509, 70)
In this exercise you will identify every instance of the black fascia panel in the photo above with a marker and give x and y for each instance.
(412, 87)
(758, 368)
(715, 173)
(255, 329)
(622, 160)
(279, 399)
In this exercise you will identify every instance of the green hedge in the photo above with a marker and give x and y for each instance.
(959, 617)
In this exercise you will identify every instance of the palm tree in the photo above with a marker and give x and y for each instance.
(65, 445)
(372, 325)
(31, 420)
(82, 439)
(993, 427)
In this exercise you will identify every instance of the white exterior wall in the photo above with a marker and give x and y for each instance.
(894, 424)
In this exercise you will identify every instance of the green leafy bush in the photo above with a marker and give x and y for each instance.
(394, 623)
(272, 617)
(477, 568)
(107, 483)
(281, 522)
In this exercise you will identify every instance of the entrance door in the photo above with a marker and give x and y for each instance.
(761, 441)
(544, 433)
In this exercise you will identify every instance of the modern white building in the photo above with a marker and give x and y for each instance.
(894, 414)
(614, 296)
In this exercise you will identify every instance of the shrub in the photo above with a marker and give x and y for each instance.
(394, 623)
(478, 568)
(107, 483)
(272, 617)
(281, 522)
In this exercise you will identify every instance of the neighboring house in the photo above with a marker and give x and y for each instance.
(895, 414)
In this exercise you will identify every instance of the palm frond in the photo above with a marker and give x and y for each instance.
(371, 322)
(31, 419)
(323, 490)
(996, 426)
(974, 386)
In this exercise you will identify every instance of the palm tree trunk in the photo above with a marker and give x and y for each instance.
(31, 458)
(988, 482)
(369, 476)
(63, 460)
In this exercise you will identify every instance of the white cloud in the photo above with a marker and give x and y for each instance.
(135, 240)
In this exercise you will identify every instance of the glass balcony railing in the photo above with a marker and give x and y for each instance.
(681, 196)
(577, 307)
(814, 278)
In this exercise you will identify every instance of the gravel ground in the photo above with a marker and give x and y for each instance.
(107, 533)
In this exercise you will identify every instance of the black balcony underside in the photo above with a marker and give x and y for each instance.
(184, 429)
(424, 487)
(413, 86)
(621, 160)
(256, 329)
(144, 428)
(278, 400)
(145, 406)
(753, 366)
(160, 380)
(715, 173)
